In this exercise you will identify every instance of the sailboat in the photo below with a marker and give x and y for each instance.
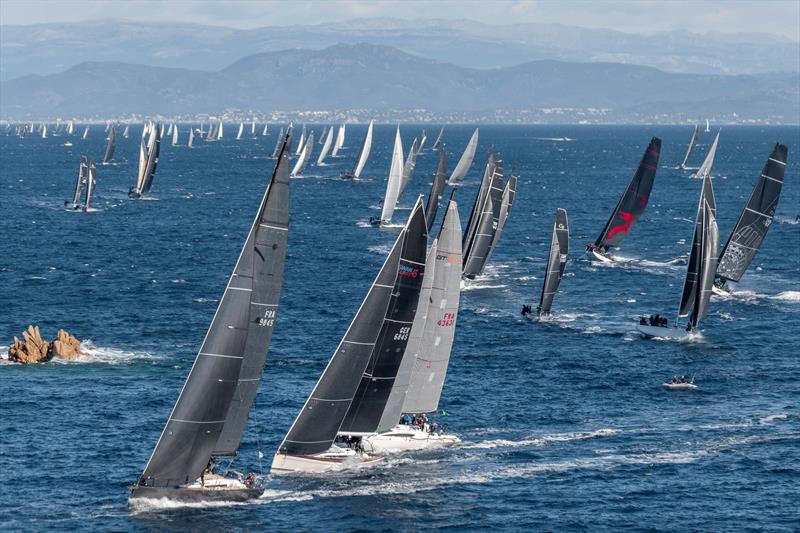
(191, 137)
(438, 142)
(112, 143)
(349, 396)
(70, 127)
(697, 286)
(556, 263)
(750, 230)
(705, 168)
(91, 182)
(125, 132)
(339, 141)
(253, 128)
(692, 143)
(363, 154)
(278, 144)
(422, 140)
(631, 205)
(169, 129)
(302, 142)
(210, 415)
(83, 176)
(408, 167)
(392, 183)
(219, 131)
(239, 131)
(323, 135)
(326, 147)
(708, 127)
(420, 378)
(175, 135)
(305, 156)
(264, 131)
(466, 160)
(44, 131)
(437, 188)
(148, 161)
(85, 133)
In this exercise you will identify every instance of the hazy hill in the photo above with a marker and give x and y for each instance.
(51, 48)
(378, 78)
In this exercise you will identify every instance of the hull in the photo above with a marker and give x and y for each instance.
(679, 386)
(215, 489)
(594, 254)
(406, 438)
(662, 332)
(721, 290)
(332, 460)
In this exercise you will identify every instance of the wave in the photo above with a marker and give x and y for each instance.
(787, 296)
(381, 249)
(791, 221)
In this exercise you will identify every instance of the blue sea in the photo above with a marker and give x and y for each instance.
(565, 424)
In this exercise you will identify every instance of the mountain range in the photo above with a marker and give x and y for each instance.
(373, 78)
(51, 48)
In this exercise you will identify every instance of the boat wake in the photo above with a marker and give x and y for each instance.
(540, 440)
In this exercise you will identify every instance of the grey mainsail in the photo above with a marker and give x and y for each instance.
(755, 220)
(710, 248)
(83, 172)
(433, 355)
(370, 399)
(234, 347)
(693, 287)
(507, 203)
(315, 427)
(408, 167)
(278, 144)
(480, 249)
(473, 263)
(466, 160)
(556, 261)
(152, 159)
(112, 143)
(690, 149)
(437, 188)
(91, 182)
(477, 206)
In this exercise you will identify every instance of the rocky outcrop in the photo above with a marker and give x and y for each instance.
(34, 349)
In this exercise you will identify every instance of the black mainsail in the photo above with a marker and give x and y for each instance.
(83, 173)
(633, 201)
(365, 411)
(209, 415)
(690, 149)
(112, 143)
(477, 207)
(755, 220)
(556, 261)
(437, 188)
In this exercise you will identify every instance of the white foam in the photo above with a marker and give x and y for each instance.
(540, 440)
(96, 354)
(787, 296)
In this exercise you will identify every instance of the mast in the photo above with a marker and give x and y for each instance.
(556, 262)
(431, 356)
(365, 411)
(690, 149)
(366, 146)
(756, 218)
(206, 417)
(326, 147)
(507, 202)
(633, 201)
(437, 188)
(466, 160)
(112, 143)
(394, 180)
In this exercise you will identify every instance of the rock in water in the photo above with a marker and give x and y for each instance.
(32, 349)
(66, 346)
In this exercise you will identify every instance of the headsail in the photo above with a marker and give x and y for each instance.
(756, 218)
(705, 168)
(690, 149)
(394, 180)
(556, 261)
(437, 144)
(278, 144)
(633, 201)
(326, 147)
(305, 155)
(366, 146)
(466, 160)
(437, 188)
(233, 349)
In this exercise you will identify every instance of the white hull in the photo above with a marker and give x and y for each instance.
(600, 257)
(334, 459)
(680, 386)
(404, 438)
(721, 291)
(663, 333)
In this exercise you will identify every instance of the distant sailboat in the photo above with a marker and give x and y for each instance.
(700, 272)
(363, 156)
(326, 147)
(437, 188)
(169, 129)
(631, 204)
(323, 135)
(302, 142)
(705, 168)
(80, 184)
(408, 167)
(278, 144)
(392, 183)
(191, 137)
(44, 131)
(148, 161)
(437, 144)
(750, 230)
(239, 132)
(690, 149)
(70, 128)
(708, 127)
(253, 128)
(264, 131)
(175, 135)
(422, 140)
(340, 135)
(305, 156)
(556, 262)
(219, 131)
(91, 182)
(112, 143)
(466, 160)
(125, 132)
(85, 133)
(211, 413)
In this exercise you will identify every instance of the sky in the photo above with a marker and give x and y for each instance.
(777, 17)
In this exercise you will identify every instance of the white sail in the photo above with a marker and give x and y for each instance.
(705, 168)
(340, 137)
(44, 131)
(395, 177)
(125, 132)
(239, 133)
(174, 135)
(305, 151)
(264, 132)
(191, 137)
(325, 147)
(408, 168)
(169, 130)
(362, 158)
(466, 160)
(301, 144)
(253, 128)
(85, 133)
(219, 131)
(708, 127)
(70, 128)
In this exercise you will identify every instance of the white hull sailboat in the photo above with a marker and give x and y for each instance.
(660, 332)
(403, 437)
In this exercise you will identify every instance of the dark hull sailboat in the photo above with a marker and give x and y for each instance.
(754, 222)
(209, 417)
(80, 185)
(631, 204)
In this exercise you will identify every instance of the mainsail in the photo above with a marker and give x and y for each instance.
(705, 168)
(507, 202)
(438, 142)
(264, 131)
(239, 131)
(148, 160)
(91, 181)
(422, 140)
(125, 131)
(633, 201)
(394, 180)
(755, 220)
(83, 171)
(556, 261)
(175, 135)
(85, 133)
(191, 138)
(477, 206)
(366, 146)
(437, 188)
(112, 143)
(476, 250)
(473, 263)
(466, 160)
(302, 142)
(212, 408)
(408, 167)
(340, 136)
(326, 147)
(690, 149)
(370, 399)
